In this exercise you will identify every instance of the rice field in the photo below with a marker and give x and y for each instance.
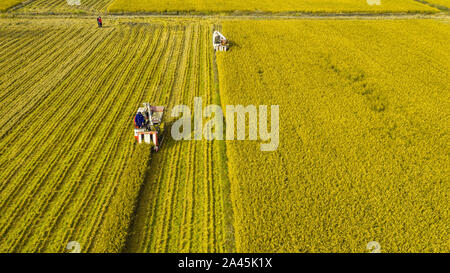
(333, 6)
(185, 204)
(70, 168)
(440, 3)
(67, 105)
(363, 154)
(7, 4)
(65, 6)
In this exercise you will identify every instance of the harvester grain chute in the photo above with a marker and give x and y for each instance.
(220, 43)
(148, 125)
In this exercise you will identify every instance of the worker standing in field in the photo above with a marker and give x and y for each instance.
(99, 21)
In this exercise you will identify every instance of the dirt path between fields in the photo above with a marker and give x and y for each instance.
(252, 16)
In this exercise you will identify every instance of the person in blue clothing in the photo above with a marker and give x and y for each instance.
(139, 120)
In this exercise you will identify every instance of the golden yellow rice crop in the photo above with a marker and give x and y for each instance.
(6, 4)
(267, 6)
(363, 153)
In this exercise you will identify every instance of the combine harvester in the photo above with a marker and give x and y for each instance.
(148, 125)
(220, 43)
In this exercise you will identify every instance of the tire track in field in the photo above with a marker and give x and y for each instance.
(172, 173)
(146, 210)
(171, 181)
(149, 64)
(159, 164)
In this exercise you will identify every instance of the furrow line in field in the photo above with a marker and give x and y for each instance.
(154, 234)
(172, 183)
(31, 91)
(149, 208)
(155, 70)
(170, 83)
(195, 215)
(190, 181)
(202, 92)
(33, 49)
(14, 87)
(149, 60)
(111, 98)
(26, 46)
(26, 42)
(209, 175)
(183, 62)
(84, 50)
(173, 208)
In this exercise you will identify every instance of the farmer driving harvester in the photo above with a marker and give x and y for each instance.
(148, 125)
(139, 121)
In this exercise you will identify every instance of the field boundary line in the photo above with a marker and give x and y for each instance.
(250, 16)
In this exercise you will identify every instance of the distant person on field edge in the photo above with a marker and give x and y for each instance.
(99, 21)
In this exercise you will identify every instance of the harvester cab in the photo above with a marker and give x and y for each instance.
(220, 43)
(148, 125)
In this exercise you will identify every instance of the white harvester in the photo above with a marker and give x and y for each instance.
(220, 43)
(148, 125)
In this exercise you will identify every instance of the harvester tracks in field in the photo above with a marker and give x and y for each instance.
(175, 211)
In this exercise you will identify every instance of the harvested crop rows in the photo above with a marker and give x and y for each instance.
(184, 205)
(63, 147)
(363, 152)
(69, 167)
